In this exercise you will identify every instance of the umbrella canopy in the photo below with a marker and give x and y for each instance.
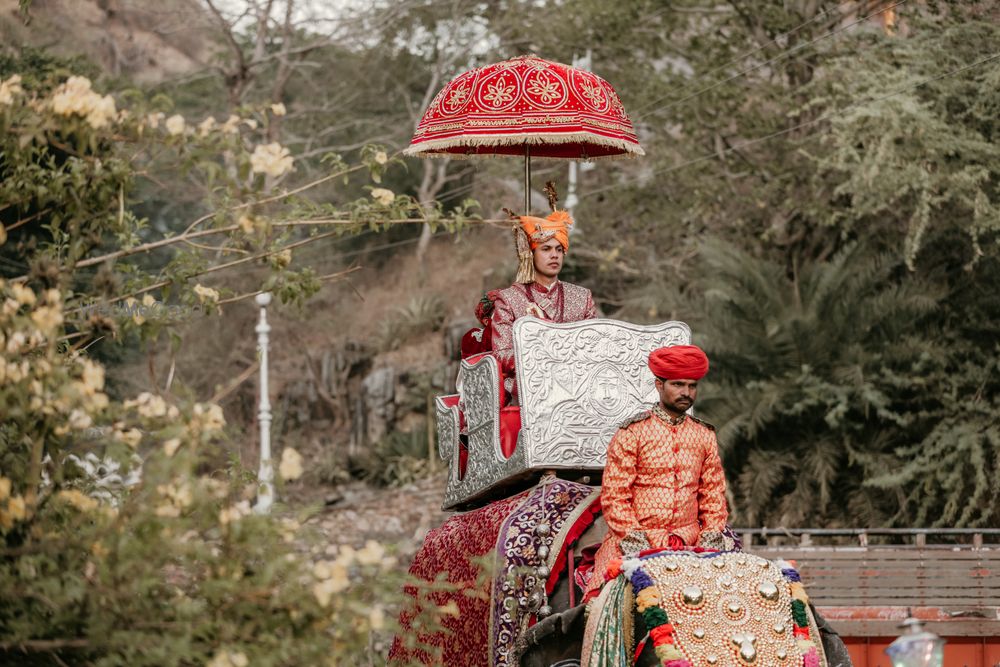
(550, 109)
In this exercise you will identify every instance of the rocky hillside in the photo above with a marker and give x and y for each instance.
(147, 42)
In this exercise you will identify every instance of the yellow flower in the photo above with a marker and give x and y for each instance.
(278, 109)
(271, 159)
(148, 405)
(76, 97)
(93, 377)
(289, 528)
(78, 499)
(206, 294)
(24, 296)
(450, 609)
(168, 510)
(234, 513)
(208, 418)
(9, 88)
(232, 124)
(381, 157)
(79, 420)
(175, 125)
(283, 258)
(206, 126)
(171, 446)
(16, 341)
(371, 554)
(131, 437)
(4, 488)
(246, 224)
(383, 196)
(226, 658)
(337, 581)
(16, 508)
(291, 464)
(47, 318)
(132, 306)
(154, 119)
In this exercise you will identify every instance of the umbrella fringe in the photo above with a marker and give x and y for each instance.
(434, 147)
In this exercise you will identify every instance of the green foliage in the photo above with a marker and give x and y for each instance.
(821, 207)
(175, 569)
(397, 459)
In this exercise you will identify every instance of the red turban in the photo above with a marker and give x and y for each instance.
(678, 362)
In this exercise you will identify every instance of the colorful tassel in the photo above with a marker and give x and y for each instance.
(629, 566)
(654, 616)
(647, 597)
(640, 580)
(799, 613)
(614, 568)
(791, 575)
(662, 634)
(668, 652)
(798, 592)
(805, 646)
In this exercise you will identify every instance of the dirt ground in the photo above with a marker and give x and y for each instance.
(355, 512)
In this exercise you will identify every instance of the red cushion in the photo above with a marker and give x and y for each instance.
(510, 426)
(451, 402)
(472, 347)
(463, 459)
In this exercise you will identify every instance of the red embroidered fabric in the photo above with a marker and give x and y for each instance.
(564, 302)
(448, 549)
(557, 110)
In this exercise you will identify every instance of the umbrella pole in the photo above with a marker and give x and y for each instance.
(527, 180)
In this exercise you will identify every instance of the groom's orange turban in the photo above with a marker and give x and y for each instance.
(540, 230)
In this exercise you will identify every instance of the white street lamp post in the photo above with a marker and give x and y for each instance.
(916, 647)
(265, 475)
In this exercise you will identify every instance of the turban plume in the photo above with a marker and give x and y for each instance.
(678, 362)
(555, 225)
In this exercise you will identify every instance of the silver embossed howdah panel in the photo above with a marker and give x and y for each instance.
(577, 381)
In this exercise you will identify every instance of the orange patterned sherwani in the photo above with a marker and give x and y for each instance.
(661, 479)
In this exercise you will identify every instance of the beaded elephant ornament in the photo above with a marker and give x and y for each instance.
(724, 609)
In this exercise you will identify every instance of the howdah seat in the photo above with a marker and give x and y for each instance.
(576, 382)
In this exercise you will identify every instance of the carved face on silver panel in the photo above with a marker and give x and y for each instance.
(608, 389)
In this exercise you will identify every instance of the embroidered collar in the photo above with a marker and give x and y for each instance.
(542, 288)
(660, 412)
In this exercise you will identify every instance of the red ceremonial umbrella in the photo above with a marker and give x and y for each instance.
(526, 107)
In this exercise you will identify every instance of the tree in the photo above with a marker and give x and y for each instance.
(174, 568)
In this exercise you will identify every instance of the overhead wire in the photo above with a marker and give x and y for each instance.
(781, 56)
(828, 116)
